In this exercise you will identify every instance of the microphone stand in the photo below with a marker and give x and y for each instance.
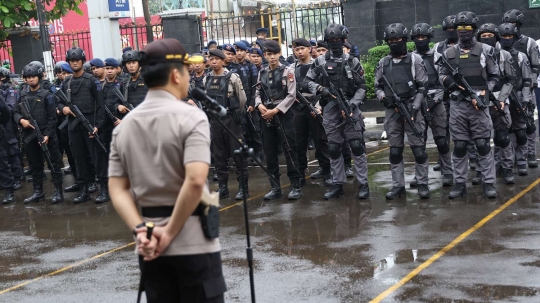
(244, 151)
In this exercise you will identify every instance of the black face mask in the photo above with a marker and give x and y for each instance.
(507, 43)
(466, 39)
(422, 46)
(491, 41)
(336, 48)
(451, 36)
(398, 48)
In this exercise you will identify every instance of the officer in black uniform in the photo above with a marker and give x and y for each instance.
(84, 90)
(133, 88)
(7, 180)
(42, 105)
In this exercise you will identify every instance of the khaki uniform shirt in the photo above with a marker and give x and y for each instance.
(151, 147)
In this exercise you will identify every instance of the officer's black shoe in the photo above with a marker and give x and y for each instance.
(396, 192)
(9, 197)
(103, 195)
(58, 194)
(335, 191)
(240, 194)
(296, 191)
(437, 167)
(30, 179)
(223, 191)
(522, 170)
(508, 176)
(489, 191)
(498, 170)
(472, 164)
(17, 185)
(448, 180)
(459, 190)
(531, 160)
(274, 193)
(349, 172)
(93, 187)
(27, 172)
(423, 191)
(478, 179)
(317, 175)
(72, 188)
(414, 183)
(37, 196)
(83, 195)
(328, 180)
(363, 191)
(67, 171)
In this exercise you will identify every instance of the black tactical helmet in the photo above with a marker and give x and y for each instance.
(4, 72)
(335, 31)
(422, 29)
(130, 55)
(466, 18)
(58, 67)
(75, 53)
(38, 64)
(506, 29)
(87, 67)
(488, 28)
(513, 16)
(33, 69)
(448, 22)
(396, 30)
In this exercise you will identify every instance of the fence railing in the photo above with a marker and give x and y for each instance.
(60, 43)
(6, 53)
(134, 35)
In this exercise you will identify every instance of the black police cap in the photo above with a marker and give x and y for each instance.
(217, 53)
(272, 46)
(301, 42)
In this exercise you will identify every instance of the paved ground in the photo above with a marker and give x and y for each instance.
(306, 251)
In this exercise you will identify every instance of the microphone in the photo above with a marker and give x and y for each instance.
(210, 103)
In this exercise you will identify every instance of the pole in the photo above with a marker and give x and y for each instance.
(44, 39)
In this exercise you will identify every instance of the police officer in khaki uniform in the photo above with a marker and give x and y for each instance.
(226, 88)
(167, 174)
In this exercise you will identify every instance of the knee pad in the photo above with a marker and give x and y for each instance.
(442, 145)
(420, 155)
(501, 138)
(521, 136)
(334, 150)
(482, 146)
(460, 148)
(357, 147)
(530, 129)
(396, 155)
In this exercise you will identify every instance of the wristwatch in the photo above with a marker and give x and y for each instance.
(143, 224)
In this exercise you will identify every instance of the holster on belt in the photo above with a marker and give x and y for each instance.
(210, 217)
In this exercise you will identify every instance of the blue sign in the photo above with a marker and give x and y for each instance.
(119, 9)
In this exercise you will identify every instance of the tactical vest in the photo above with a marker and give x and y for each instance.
(340, 74)
(469, 65)
(273, 83)
(441, 47)
(300, 73)
(517, 68)
(135, 90)
(217, 88)
(197, 81)
(433, 77)
(400, 77)
(38, 105)
(521, 46)
(81, 95)
(241, 72)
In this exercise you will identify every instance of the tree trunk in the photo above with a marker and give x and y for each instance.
(148, 21)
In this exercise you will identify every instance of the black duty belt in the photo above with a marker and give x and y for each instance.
(166, 211)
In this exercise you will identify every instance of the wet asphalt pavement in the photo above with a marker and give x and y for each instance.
(310, 250)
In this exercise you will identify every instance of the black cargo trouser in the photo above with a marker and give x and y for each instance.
(36, 159)
(82, 147)
(304, 123)
(223, 146)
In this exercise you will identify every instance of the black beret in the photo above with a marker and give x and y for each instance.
(216, 53)
(321, 43)
(272, 46)
(165, 51)
(347, 45)
(301, 42)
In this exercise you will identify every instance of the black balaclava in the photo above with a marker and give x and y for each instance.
(507, 44)
(422, 46)
(398, 48)
(466, 39)
(451, 36)
(336, 48)
(491, 41)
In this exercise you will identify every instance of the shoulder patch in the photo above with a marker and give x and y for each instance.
(290, 76)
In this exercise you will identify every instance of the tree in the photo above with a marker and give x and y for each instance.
(148, 21)
(19, 12)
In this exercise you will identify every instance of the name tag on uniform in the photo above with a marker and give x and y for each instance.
(464, 56)
(38, 100)
(214, 87)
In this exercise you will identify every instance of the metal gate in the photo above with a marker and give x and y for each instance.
(284, 24)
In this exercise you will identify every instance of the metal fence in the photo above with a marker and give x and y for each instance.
(60, 43)
(134, 35)
(6, 53)
(284, 24)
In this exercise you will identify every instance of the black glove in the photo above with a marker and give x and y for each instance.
(325, 93)
(414, 111)
(450, 83)
(389, 102)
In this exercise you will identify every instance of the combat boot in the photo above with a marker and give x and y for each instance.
(414, 183)
(531, 161)
(9, 197)
(27, 172)
(437, 167)
(328, 180)
(83, 195)
(223, 190)
(240, 195)
(58, 194)
(423, 191)
(275, 192)
(37, 196)
(103, 194)
(459, 190)
(92, 188)
(17, 185)
(349, 172)
(508, 176)
(489, 191)
(296, 191)
(335, 191)
(448, 180)
(478, 179)
(396, 192)
(72, 188)
(363, 191)
(522, 170)
(317, 175)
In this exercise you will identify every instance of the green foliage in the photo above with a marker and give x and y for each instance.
(371, 60)
(18, 12)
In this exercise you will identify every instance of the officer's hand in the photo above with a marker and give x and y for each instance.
(67, 111)
(45, 140)
(190, 102)
(389, 102)
(325, 93)
(250, 109)
(145, 247)
(122, 109)
(502, 105)
(262, 109)
(91, 135)
(318, 112)
(57, 112)
(26, 124)
(117, 122)
(414, 112)
(164, 240)
(344, 115)
(269, 114)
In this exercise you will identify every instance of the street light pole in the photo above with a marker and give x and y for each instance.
(44, 39)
